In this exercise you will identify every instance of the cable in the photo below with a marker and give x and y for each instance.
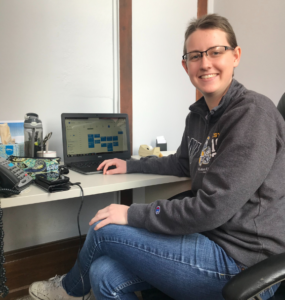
(8, 192)
(80, 237)
(4, 291)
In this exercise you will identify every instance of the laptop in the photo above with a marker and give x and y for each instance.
(89, 139)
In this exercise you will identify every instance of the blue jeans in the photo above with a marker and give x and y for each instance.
(116, 261)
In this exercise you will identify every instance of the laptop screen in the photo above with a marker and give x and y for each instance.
(99, 135)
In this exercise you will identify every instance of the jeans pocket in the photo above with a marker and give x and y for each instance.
(241, 266)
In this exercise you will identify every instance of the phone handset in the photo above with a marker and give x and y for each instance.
(12, 178)
(8, 182)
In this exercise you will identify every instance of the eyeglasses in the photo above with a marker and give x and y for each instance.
(213, 52)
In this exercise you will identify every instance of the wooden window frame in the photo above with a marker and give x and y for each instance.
(126, 89)
(202, 9)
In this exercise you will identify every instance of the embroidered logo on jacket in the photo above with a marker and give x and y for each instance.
(209, 151)
(193, 148)
(157, 210)
(205, 156)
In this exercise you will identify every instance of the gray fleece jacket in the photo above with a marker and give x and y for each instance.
(235, 156)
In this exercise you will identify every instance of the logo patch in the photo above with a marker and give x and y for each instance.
(209, 151)
(205, 156)
(157, 210)
(9, 150)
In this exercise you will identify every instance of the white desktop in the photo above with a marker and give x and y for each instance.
(146, 187)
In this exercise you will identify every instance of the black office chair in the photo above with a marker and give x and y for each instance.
(252, 281)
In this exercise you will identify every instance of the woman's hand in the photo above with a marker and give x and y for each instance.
(112, 214)
(121, 166)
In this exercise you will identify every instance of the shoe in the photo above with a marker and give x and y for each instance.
(52, 290)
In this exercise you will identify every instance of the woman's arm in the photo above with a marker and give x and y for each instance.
(246, 152)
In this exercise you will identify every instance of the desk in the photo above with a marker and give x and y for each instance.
(24, 224)
(92, 185)
(36, 217)
(99, 184)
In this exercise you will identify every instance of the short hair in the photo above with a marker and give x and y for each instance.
(211, 21)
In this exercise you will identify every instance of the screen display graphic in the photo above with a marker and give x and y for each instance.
(91, 136)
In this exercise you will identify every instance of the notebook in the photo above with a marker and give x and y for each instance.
(89, 139)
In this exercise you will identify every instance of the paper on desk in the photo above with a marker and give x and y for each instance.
(160, 140)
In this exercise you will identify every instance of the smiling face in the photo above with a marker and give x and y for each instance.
(211, 76)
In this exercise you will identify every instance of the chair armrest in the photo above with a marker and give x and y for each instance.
(256, 278)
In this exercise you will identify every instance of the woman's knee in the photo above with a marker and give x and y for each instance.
(109, 231)
(91, 232)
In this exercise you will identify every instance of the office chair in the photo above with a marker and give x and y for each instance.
(250, 282)
(281, 106)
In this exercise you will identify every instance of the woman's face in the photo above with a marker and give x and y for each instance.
(211, 76)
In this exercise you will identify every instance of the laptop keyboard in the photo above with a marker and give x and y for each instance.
(88, 164)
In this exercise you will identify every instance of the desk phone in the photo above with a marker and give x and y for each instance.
(12, 178)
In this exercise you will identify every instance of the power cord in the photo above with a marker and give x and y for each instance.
(80, 237)
(8, 192)
(4, 291)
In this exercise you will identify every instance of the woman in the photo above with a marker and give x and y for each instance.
(233, 150)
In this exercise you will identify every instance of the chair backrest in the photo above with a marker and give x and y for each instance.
(281, 106)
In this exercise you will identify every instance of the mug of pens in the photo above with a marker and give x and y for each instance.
(46, 152)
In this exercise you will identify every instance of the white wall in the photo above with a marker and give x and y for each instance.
(56, 56)
(162, 92)
(259, 27)
(211, 6)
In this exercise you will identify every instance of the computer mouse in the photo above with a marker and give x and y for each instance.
(111, 168)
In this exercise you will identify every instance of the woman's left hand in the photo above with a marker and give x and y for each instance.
(112, 214)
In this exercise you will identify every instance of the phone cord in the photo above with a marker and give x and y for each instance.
(80, 237)
(4, 291)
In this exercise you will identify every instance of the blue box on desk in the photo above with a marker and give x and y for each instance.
(10, 149)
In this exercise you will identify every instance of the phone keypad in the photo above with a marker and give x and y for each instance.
(24, 178)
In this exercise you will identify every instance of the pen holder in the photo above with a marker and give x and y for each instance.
(46, 154)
